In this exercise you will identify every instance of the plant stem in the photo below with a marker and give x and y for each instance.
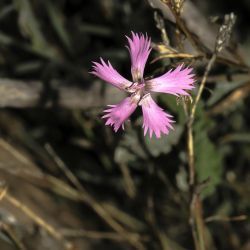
(196, 213)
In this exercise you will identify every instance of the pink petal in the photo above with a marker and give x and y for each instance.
(173, 82)
(106, 72)
(139, 49)
(155, 120)
(118, 114)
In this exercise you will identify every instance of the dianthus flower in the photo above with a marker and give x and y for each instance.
(175, 82)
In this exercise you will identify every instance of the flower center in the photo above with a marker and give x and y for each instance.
(138, 91)
(135, 86)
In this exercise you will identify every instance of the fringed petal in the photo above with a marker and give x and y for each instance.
(139, 49)
(106, 72)
(155, 120)
(174, 82)
(116, 115)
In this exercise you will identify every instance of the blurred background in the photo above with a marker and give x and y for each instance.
(70, 182)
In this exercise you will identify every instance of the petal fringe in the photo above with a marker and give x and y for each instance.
(116, 115)
(174, 82)
(155, 120)
(106, 72)
(139, 49)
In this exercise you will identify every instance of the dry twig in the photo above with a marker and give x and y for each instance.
(25, 94)
(36, 218)
(196, 216)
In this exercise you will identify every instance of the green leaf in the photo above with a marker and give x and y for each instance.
(129, 148)
(208, 158)
(164, 144)
(56, 18)
(222, 90)
(30, 27)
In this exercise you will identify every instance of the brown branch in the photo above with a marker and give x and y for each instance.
(196, 211)
(196, 217)
(200, 33)
(26, 94)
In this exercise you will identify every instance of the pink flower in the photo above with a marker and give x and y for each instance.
(155, 120)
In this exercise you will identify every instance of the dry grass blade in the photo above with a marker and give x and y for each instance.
(36, 218)
(128, 181)
(95, 234)
(176, 55)
(60, 187)
(6, 228)
(72, 178)
(237, 95)
(99, 209)
(220, 218)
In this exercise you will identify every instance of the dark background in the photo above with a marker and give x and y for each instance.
(59, 160)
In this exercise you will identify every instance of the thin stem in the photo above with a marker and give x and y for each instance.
(196, 214)
(202, 85)
(190, 146)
